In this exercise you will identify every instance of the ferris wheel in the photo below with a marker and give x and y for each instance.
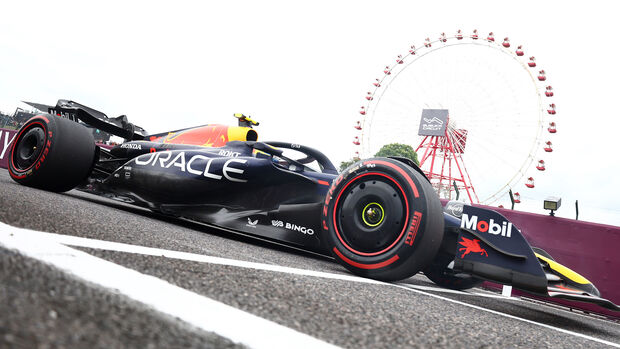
(479, 113)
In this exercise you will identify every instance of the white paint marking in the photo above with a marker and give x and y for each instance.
(120, 247)
(150, 251)
(200, 311)
(435, 289)
(507, 291)
(602, 341)
(447, 290)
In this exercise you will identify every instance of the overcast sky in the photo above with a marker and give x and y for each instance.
(303, 68)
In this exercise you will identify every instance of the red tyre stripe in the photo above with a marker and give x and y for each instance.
(16, 176)
(399, 170)
(17, 139)
(365, 266)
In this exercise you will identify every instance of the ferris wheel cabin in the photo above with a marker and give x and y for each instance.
(441, 144)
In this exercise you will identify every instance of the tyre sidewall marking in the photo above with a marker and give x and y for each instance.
(20, 174)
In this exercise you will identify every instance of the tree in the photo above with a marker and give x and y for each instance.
(345, 164)
(392, 149)
(398, 149)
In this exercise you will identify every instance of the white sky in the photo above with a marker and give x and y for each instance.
(303, 69)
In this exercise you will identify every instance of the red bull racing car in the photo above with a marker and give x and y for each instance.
(380, 218)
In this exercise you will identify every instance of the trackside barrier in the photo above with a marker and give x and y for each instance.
(591, 249)
(6, 139)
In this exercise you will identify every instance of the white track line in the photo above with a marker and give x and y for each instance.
(120, 247)
(193, 257)
(200, 311)
(602, 341)
(462, 293)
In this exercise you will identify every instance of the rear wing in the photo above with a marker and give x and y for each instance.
(119, 126)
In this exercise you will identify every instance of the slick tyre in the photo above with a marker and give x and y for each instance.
(51, 153)
(382, 220)
(439, 273)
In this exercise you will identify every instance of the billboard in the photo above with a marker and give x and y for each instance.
(433, 122)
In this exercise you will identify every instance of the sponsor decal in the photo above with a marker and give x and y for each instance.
(433, 126)
(293, 227)
(251, 223)
(433, 122)
(6, 139)
(354, 169)
(473, 223)
(46, 151)
(208, 136)
(229, 153)
(455, 209)
(471, 245)
(127, 170)
(64, 114)
(131, 146)
(330, 193)
(413, 228)
(200, 165)
(299, 228)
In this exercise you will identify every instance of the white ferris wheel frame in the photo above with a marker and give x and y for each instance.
(450, 41)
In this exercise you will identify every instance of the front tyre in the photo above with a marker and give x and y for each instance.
(382, 220)
(51, 153)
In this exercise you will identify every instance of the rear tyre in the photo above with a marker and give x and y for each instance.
(439, 273)
(52, 153)
(382, 220)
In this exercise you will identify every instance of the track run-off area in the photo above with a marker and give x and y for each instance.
(78, 270)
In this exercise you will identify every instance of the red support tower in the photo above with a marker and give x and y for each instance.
(442, 161)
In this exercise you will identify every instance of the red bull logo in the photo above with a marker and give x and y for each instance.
(471, 245)
(208, 136)
(473, 223)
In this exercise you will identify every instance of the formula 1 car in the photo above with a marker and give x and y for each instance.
(380, 218)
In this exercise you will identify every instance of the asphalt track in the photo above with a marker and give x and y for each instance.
(42, 305)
